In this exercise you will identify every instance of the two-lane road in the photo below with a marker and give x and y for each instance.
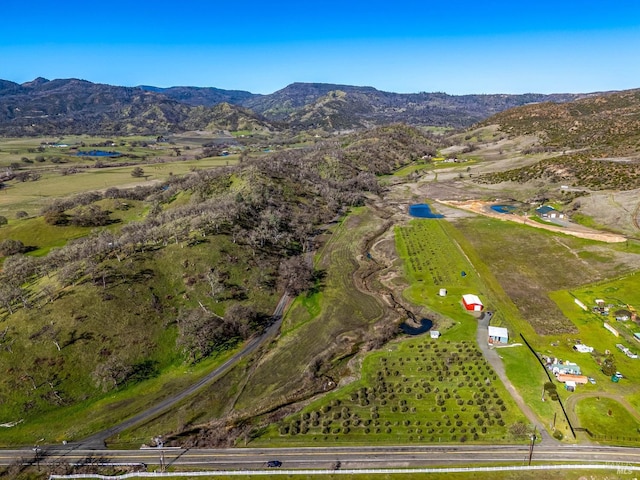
(325, 458)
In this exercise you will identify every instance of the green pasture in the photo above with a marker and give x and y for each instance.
(414, 167)
(433, 261)
(528, 263)
(528, 377)
(418, 390)
(13, 150)
(606, 419)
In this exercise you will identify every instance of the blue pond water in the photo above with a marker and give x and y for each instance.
(503, 208)
(425, 326)
(422, 210)
(98, 153)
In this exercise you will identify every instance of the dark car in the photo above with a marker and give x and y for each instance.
(274, 463)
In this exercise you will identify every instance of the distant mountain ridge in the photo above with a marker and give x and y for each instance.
(65, 106)
(607, 124)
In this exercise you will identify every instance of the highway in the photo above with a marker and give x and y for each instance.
(326, 457)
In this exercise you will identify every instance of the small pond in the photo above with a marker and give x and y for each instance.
(503, 208)
(422, 210)
(98, 153)
(425, 326)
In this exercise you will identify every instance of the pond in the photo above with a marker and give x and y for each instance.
(503, 208)
(98, 153)
(422, 210)
(425, 326)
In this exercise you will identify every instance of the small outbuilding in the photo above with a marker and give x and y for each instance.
(443, 292)
(579, 347)
(498, 335)
(472, 302)
(434, 333)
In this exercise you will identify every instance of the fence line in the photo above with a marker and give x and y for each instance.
(618, 466)
(573, 432)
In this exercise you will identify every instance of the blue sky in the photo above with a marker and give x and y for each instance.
(453, 46)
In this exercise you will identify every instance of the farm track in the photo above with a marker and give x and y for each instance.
(636, 216)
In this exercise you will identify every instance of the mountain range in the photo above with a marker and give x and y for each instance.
(66, 106)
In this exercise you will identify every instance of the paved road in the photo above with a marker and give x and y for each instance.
(97, 441)
(325, 458)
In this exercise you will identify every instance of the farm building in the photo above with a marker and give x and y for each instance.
(547, 211)
(498, 335)
(472, 303)
(565, 377)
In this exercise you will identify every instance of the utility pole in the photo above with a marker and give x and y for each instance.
(37, 450)
(533, 441)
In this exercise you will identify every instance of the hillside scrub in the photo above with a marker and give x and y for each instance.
(577, 171)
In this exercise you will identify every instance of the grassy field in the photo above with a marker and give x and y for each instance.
(32, 196)
(510, 250)
(606, 419)
(433, 261)
(436, 255)
(41, 237)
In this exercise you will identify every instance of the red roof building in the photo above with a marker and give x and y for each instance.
(472, 303)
